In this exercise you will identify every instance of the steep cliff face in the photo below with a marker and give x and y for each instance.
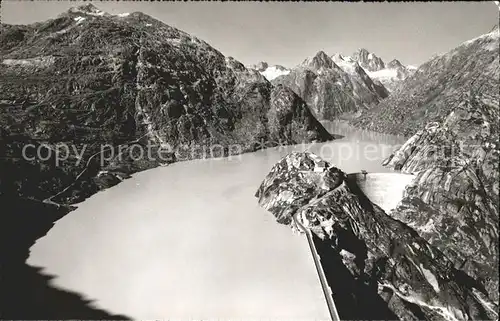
(413, 277)
(88, 78)
(453, 203)
(332, 87)
(368, 60)
(437, 87)
(450, 106)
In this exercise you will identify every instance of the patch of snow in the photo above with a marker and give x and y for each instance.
(102, 173)
(44, 61)
(345, 63)
(431, 278)
(88, 9)
(272, 72)
(389, 77)
(428, 227)
(494, 35)
(383, 74)
(174, 41)
(123, 14)
(149, 24)
(370, 56)
(447, 312)
(480, 297)
(79, 20)
(97, 13)
(411, 67)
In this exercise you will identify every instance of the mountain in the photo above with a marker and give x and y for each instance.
(450, 107)
(437, 87)
(368, 60)
(88, 79)
(333, 87)
(376, 266)
(270, 72)
(390, 74)
(88, 98)
(453, 202)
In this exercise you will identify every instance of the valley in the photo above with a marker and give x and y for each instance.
(194, 186)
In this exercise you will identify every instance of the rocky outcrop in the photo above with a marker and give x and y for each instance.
(333, 87)
(89, 78)
(413, 277)
(437, 87)
(368, 60)
(453, 203)
(261, 66)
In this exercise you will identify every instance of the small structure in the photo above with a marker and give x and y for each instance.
(364, 173)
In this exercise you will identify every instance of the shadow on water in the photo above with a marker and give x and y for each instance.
(25, 292)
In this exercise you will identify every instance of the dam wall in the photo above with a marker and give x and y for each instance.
(384, 189)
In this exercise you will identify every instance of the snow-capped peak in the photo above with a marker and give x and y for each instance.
(320, 60)
(346, 63)
(394, 64)
(270, 72)
(79, 19)
(368, 60)
(491, 36)
(88, 9)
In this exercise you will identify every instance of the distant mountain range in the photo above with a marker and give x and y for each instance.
(389, 74)
(333, 86)
(337, 85)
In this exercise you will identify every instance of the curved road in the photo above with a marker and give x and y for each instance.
(321, 274)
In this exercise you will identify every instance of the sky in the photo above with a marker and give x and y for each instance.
(287, 33)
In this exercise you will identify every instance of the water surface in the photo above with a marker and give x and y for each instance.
(189, 240)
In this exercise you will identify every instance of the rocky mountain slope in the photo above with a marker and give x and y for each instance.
(333, 87)
(369, 61)
(392, 76)
(454, 201)
(377, 255)
(88, 98)
(389, 74)
(88, 78)
(451, 107)
(270, 72)
(437, 87)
